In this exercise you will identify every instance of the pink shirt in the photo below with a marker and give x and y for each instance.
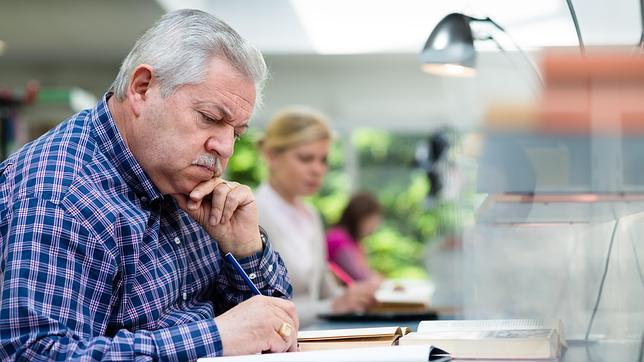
(347, 254)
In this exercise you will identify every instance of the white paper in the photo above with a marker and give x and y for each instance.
(415, 353)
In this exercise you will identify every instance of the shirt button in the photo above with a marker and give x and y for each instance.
(252, 275)
(144, 199)
(270, 268)
(177, 240)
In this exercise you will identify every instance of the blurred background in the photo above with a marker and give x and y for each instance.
(462, 165)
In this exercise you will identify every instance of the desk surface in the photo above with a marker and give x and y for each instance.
(578, 351)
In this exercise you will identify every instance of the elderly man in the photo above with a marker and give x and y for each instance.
(113, 224)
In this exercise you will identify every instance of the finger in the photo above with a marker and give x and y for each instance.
(231, 204)
(366, 299)
(219, 196)
(239, 196)
(288, 329)
(289, 334)
(277, 343)
(284, 324)
(294, 347)
(288, 308)
(278, 310)
(199, 192)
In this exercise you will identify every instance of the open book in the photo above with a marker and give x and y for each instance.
(349, 338)
(396, 300)
(403, 296)
(493, 339)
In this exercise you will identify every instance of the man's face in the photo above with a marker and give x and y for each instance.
(189, 136)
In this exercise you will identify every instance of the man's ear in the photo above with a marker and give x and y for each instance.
(139, 87)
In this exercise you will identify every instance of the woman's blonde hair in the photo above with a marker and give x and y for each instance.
(294, 126)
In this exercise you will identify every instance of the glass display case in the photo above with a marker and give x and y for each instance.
(572, 251)
(559, 233)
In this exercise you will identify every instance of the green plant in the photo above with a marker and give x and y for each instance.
(245, 165)
(386, 169)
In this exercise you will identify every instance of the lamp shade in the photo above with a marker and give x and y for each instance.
(449, 50)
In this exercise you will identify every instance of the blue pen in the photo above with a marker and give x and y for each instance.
(231, 259)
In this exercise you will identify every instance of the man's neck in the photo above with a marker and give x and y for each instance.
(120, 115)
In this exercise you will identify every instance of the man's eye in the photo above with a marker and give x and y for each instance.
(208, 119)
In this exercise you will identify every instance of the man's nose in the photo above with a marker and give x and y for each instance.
(222, 142)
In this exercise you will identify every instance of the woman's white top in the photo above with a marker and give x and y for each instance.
(297, 234)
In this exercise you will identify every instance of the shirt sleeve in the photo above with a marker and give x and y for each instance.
(267, 271)
(58, 289)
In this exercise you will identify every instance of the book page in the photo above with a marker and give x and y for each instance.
(405, 291)
(346, 343)
(347, 333)
(416, 353)
(489, 325)
(486, 334)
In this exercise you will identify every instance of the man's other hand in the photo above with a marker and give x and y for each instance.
(258, 325)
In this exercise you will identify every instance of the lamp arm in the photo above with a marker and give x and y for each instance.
(573, 15)
(516, 45)
(642, 23)
(498, 45)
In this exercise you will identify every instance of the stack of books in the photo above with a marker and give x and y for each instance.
(492, 339)
(507, 339)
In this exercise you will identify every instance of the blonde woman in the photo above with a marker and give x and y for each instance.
(295, 147)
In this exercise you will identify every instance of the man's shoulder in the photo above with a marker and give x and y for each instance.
(49, 165)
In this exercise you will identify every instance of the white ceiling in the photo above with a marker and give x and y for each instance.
(402, 26)
(67, 43)
(103, 31)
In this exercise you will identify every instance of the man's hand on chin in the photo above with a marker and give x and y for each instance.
(228, 212)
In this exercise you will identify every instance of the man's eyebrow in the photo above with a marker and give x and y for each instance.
(244, 127)
(226, 112)
(219, 108)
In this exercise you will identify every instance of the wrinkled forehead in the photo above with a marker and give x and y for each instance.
(225, 92)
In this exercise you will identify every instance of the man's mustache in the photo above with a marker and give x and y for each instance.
(210, 162)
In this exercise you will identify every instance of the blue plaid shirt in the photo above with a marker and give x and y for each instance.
(97, 264)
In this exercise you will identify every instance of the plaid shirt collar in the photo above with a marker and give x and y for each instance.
(110, 142)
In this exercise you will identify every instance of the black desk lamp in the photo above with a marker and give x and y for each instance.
(449, 50)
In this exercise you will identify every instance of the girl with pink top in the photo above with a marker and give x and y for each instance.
(359, 219)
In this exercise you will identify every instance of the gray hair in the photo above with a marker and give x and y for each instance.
(180, 45)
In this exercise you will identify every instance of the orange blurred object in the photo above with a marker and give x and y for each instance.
(600, 92)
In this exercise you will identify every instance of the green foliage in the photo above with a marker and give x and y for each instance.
(394, 254)
(245, 165)
(386, 169)
(335, 191)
